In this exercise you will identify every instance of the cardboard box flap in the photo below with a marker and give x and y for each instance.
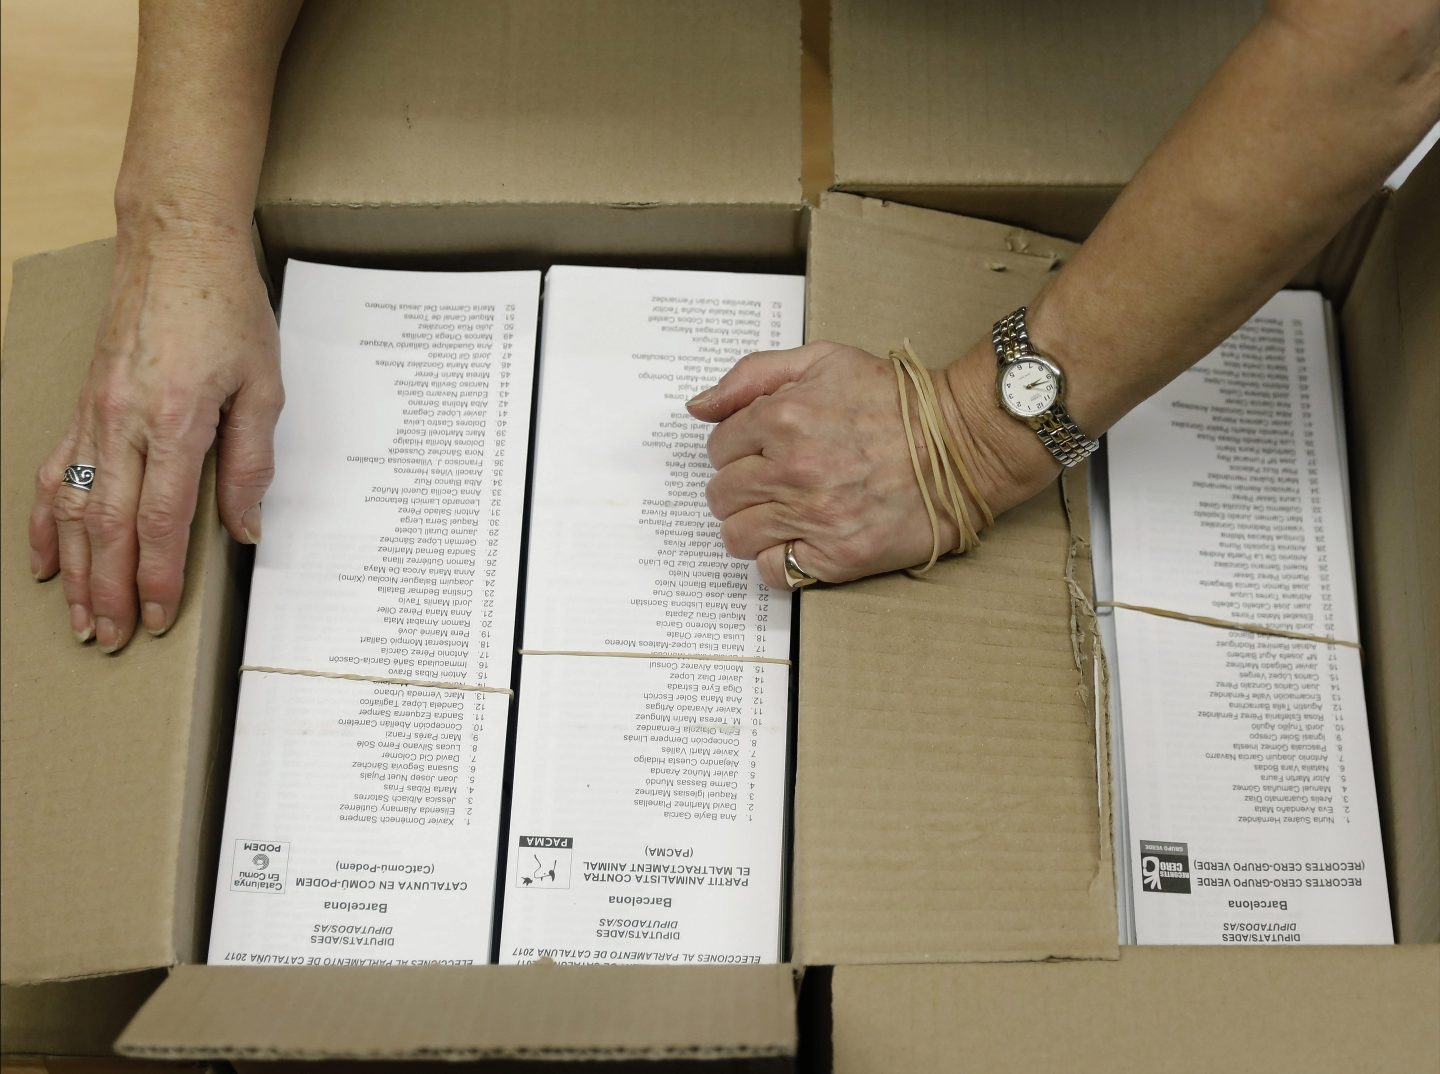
(106, 760)
(1390, 325)
(1323, 1010)
(72, 1017)
(455, 1012)
(1041, 93)
(612, 102)
(947, 805)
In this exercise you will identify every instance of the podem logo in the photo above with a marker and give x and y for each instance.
(543, 861)
(259, 865)
(1165, 867)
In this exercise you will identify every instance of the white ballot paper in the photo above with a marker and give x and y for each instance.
(648, 804)
(363, 816)
(392, 531)
(1247, 777)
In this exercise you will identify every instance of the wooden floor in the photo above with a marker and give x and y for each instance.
(65, 72)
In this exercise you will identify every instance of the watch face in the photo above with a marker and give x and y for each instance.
(1028, 387)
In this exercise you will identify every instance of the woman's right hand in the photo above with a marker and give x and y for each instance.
(187, 354)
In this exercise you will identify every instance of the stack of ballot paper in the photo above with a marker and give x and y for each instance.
(384, 708)
(1245, 804)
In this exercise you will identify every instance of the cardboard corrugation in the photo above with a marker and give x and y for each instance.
(949, 813)
(454, 1013)
(103, 797)
(1183, 1010)
(481, 114)
(959, 106)
(1391, 334)
(80, 1018)
(946, 801)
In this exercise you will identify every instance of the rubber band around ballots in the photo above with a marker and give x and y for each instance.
(382, 680)
(1228, 624)
(719, 658)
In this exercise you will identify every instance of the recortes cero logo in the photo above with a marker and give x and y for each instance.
(1164, 867)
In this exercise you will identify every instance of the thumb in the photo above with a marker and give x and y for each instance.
(247, 457)
(761, 373)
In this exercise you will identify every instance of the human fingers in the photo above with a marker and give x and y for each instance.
(768, 426)
(246, 465)
(110, 509)
(746, 482)
(67, 509)
(44, 540)
(749, 532)
(757, 374)
(771, 563)
(162, 524)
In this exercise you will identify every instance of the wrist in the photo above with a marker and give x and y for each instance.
(1009, 462)
(160, 225)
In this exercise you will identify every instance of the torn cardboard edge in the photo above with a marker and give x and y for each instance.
(518, 1012)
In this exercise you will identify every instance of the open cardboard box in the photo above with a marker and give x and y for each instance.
(951, 818)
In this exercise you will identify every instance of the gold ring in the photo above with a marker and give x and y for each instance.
(796, 576)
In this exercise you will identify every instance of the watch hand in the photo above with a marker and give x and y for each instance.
(1033, 385)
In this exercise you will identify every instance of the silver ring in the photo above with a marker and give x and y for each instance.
(796, 576)
(79, 475)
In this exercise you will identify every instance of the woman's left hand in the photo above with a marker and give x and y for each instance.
(809, 448)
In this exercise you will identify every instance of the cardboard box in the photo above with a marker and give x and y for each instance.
(952, 846)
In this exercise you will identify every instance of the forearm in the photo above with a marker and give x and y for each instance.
(1300, 125)
(204, 76)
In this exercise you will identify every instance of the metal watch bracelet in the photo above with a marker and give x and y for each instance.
(1062, 437)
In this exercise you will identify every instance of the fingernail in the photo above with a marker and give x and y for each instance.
(702, 397)
(81, 625)
(36, 566)
(107, 635)
(153, 616)
(250, 523)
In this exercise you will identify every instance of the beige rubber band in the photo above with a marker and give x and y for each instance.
(949, 468)
(659, 656)
(381, 679)
(1228, 624)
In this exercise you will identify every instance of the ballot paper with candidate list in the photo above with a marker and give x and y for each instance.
(1245, 784)
(648, 804)
(363, 814)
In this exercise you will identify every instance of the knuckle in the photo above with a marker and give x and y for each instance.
(106, 522)
(804, 469)
(270, 397)
(47, 479)
(729, 533)
(173, 414)
(68, 510)
(712, 499)
(113, 403)
(785, 415)
(157, 581)
(251, 473)
(158, 523)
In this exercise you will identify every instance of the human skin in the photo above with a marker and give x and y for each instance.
(1300, 125)
(187, 352)
(809, 448)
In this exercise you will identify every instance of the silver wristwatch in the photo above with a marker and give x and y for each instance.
(1032, 388)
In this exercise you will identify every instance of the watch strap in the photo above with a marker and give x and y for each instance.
(1010, 337)
(1057, 430)
(1059, 433)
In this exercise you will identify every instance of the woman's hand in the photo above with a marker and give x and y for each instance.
(187, 350)
(810, 448)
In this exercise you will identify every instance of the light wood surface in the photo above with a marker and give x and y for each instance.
(65, 73)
